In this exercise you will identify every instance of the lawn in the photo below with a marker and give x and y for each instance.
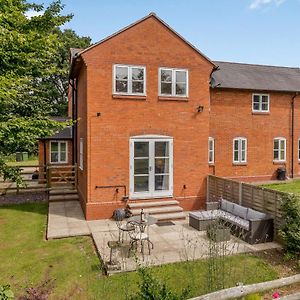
(289, 187)
(71, 266)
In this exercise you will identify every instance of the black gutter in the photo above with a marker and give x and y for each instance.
(293, 133)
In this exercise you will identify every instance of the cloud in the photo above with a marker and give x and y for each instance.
(32, 13)
(256, 4)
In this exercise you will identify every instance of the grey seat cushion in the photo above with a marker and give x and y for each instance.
(255, 215)
(240, 211)
(205, 214)
(242, 223)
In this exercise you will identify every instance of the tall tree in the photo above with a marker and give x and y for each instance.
(29, 53)
(56, 86)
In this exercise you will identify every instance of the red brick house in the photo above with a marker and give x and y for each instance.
(155, 116)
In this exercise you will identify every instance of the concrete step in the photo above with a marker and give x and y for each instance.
(145, 204)
(157, 210)
(66, 197)
(62, 191)
(170, 216)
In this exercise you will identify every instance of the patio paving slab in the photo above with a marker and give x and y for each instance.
(173, 243)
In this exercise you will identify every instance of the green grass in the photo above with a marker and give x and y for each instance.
(289, 187)
(27, 260)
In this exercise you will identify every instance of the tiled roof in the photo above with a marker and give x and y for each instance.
(256, 77)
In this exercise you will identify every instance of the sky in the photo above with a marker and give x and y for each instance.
(249, 31)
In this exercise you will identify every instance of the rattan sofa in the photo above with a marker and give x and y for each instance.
(248, 224)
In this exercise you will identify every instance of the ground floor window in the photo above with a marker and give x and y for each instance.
(239, 150)
(211, 150)
(279, 149)
(151, 166)
(81, 154)
(58, 152)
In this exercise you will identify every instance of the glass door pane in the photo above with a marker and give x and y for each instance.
(141, 166)
(162, 167)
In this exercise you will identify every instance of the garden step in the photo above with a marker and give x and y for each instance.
(145, 204)
(157, 210)
(170, 217)
(66, 197)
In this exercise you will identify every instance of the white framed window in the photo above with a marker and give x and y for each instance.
(211, 150)
(81, 154)
(151, 167)
(279, 149)
(173, 82)
(239, 150)
(260, 103)
(58, 152)
(129, 80)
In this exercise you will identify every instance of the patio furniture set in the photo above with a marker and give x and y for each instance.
(137, 229)
(248, 224)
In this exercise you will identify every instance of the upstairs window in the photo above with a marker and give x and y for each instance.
(279, 149)
(260, 103)
(211, 150)
(173, 82)
(129, 80)
(239, 150)
(58, 152)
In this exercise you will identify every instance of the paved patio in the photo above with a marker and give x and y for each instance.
(173, 243)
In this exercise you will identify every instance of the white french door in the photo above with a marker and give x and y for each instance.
(151, 167)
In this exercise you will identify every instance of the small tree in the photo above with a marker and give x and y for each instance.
(289, 231)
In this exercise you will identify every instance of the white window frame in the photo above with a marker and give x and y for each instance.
(81, 154)
(173, 94)
(280, 139)
(260, 103)
(299, 150)
(240, 160)
(129, 92)
(211, 142)
(151, 193)
(59, 145)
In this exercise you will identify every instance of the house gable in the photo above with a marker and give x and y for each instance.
(152, 16)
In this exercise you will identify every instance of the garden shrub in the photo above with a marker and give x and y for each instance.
(6, 293)
(150, 288)
(289, 231)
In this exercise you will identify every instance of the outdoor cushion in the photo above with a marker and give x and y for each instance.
(227, 205)
(240, 211)
(205, 214)
(255, 215)
(245, 224)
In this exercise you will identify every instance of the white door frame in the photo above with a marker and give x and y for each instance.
(151, 139)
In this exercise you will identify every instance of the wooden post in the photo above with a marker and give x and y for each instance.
(207, 189)
(48, 175)
(240, 193)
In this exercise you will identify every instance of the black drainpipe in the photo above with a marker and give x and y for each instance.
(293, 133)
(76, 117)
(73, 118)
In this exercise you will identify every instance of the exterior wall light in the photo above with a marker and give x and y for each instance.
(200, 108)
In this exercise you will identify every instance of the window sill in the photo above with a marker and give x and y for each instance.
(279, 162)
(212, 164)
(173, 98)
(260, 112)
(239, 164)
(129, 97)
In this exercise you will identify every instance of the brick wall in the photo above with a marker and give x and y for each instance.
(152, 45)
(231, 116)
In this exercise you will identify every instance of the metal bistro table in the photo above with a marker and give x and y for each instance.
(139, 235)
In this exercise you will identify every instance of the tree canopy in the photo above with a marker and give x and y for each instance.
(34, 62)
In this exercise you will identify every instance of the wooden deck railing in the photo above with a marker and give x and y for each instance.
(40, 178)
